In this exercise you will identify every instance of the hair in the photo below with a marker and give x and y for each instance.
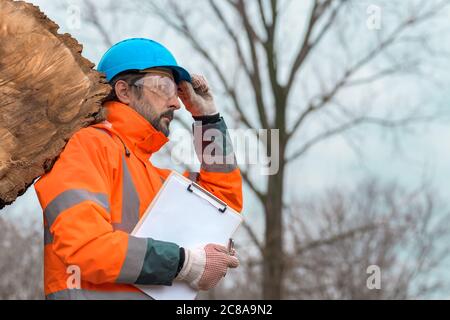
(130, 77)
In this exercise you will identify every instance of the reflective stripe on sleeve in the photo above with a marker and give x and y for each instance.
(71, 198)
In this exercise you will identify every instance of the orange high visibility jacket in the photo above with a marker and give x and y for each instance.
(95, 194)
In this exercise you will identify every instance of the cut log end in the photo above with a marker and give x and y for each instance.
(48, 91)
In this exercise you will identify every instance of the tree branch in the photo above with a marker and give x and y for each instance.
(355, 122)
(272, 64)
(253, 39)
(263, 14)
(317, 12)
(261, 196)
(92, 18)
(370, 56)
(253, 237)
(184, 28)
(232, 35)
(335, 238)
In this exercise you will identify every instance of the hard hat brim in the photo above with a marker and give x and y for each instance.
(180, 74)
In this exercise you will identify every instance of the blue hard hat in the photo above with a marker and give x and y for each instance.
(140, 54)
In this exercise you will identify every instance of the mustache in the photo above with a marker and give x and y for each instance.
(169, 114)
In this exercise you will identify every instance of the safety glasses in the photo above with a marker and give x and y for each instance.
(162, 86)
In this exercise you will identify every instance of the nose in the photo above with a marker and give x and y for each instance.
(175, 103)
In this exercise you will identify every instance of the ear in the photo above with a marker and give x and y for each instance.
(123, 92)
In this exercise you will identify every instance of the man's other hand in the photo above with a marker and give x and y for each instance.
(204, 267)
(197, 97)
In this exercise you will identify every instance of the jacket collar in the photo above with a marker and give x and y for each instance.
(136, 132)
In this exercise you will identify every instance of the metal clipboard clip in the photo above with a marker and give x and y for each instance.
(219, 204)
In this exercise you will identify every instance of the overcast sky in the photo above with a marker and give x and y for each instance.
(424, 153)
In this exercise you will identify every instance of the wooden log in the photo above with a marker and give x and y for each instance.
(48, 91)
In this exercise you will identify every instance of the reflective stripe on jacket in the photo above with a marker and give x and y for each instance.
(95, 194)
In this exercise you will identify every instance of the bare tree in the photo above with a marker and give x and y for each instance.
(252, 29)
(275, 96)
(334, 240)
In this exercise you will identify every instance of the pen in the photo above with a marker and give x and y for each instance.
(231, 247)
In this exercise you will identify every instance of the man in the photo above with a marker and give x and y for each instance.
(104, 181)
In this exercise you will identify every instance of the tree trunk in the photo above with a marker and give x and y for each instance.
(273, 250)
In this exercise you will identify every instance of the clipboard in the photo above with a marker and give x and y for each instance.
(186, 214)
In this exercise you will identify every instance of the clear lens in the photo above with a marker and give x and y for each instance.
(160, 85)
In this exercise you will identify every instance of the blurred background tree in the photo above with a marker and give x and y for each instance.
(21, 265)
(319, 72)
(333, 240)
(270, 60)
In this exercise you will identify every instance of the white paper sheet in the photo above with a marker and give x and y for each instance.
(189, 219)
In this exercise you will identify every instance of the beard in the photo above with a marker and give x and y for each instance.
(160, 122)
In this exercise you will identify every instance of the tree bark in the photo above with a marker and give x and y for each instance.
(48, 91)
(273, 250)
